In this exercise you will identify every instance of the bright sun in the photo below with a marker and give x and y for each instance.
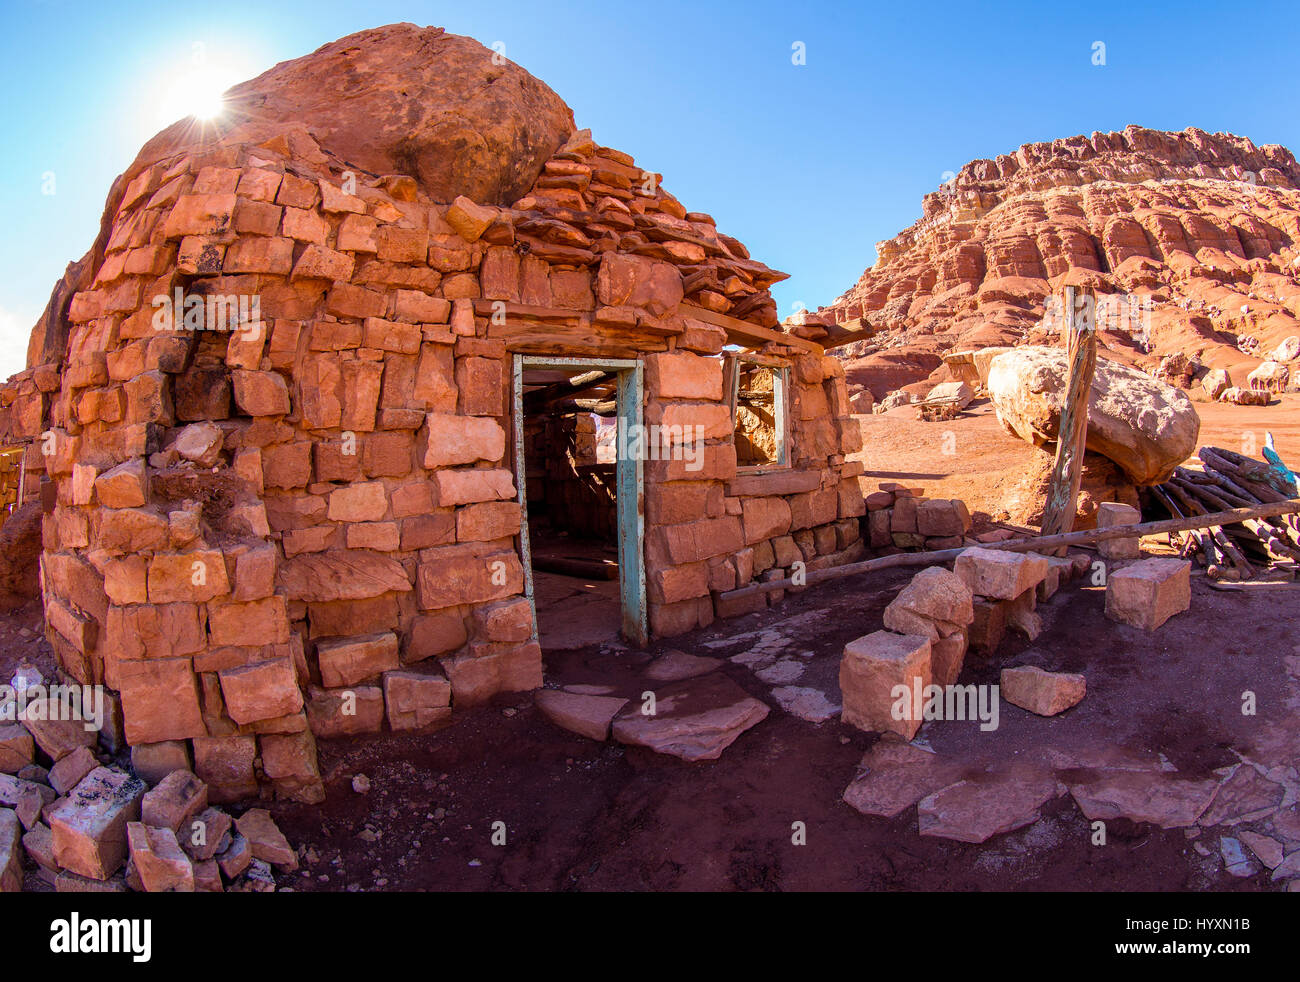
(199, 95)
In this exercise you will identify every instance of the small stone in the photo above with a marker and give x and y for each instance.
(178, 797)
(266, 840)
(1267, 849)
(234, 859)
(158, 859)
(1041, 692)
(67, 773)
(361, 784)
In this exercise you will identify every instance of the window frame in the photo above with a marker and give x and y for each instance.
(780, 405)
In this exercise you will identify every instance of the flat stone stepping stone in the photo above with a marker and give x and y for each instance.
(1267, 850)
(1244, 796)
(1161, 799)
(780, 672)
(696, 719)
(673, 666)
(977, 810)
(894, 776)
(585, 715)
(585, 689)
(806, 703)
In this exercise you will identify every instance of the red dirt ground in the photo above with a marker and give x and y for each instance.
(581, 815)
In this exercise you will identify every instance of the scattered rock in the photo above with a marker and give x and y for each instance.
(1235, 859)
(11, 855)
(1040, 692)
(266, 840)
(89, 825)
(177, 798)
(1268, 850)
(158, 859)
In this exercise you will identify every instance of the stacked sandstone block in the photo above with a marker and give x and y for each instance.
(924, 644)
(899, 518)
(932, 623)
(265, 536)
(715, 528)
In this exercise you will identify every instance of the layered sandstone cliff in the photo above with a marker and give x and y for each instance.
(1192, 237)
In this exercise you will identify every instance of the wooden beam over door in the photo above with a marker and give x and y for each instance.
(744, 333)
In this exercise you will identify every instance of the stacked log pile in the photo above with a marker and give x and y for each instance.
(1225, 481)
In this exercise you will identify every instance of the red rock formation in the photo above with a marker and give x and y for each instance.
(1201, 226)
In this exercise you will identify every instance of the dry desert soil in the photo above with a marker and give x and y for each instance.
(583, 815)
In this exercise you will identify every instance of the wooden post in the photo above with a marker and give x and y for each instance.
(1067, 472)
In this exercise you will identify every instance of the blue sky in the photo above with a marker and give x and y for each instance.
(808, 164)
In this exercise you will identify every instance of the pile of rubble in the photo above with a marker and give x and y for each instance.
(88, 825)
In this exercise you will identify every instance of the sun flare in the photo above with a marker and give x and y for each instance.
(199, 94)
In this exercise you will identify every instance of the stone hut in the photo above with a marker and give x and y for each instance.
(345, 365)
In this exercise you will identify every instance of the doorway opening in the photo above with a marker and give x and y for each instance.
(581, 497)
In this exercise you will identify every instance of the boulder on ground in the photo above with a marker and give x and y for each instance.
(1146, 427)
(1271, 376)
(1238, 396)
(1288, 350)
(862, 402)
(1215, 382)
(958, 393)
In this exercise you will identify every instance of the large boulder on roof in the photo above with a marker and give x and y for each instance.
(401, 99)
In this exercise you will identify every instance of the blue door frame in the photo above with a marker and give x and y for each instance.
(629, 480)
